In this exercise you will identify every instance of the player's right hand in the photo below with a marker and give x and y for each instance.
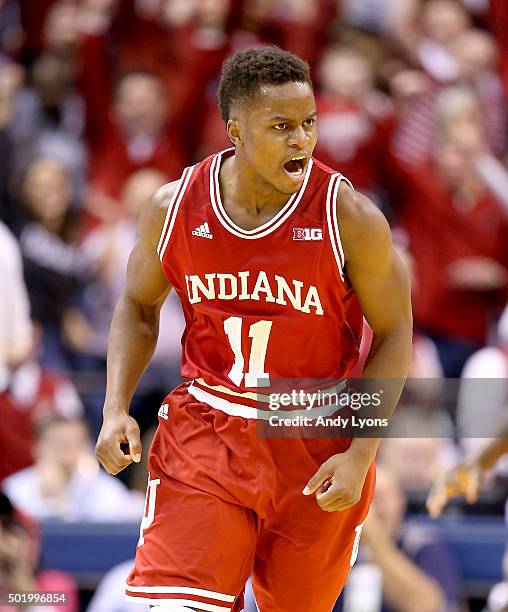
(118, 430)
(462, 481)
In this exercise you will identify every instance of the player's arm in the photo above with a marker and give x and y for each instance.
(381, 284)
(465, 479)
(133, 337)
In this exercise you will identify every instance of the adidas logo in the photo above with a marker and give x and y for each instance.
(163, 412)
(203, 231)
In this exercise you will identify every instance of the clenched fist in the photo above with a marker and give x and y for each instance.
(116, 430)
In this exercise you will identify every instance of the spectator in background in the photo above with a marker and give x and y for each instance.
(110, 594)
(401, 568)
(136, 137)
(483, 391)
(65, 482)
(53, 262)
(415, 460)
(47, 114)
(450, 54)
(15, 325)
(354, 118)
(31, 394)
(138, 123)
(19, 554)
(298, 26)
(457, 238)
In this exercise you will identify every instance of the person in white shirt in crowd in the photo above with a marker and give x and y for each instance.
(15, 324)
(66, 482)
(110, 594)
(484, 378)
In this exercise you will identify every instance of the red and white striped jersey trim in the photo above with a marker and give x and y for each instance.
(333, 224)
(211, 601)
(172, 211)
(256, 405)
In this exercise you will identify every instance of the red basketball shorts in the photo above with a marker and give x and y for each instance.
(224, 503)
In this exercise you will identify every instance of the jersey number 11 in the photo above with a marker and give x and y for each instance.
(259, 332)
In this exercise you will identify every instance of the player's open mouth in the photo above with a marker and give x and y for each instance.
(295, 167)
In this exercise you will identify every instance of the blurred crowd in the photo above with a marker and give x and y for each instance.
(103, 101)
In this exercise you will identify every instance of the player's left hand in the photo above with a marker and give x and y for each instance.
(338, 483)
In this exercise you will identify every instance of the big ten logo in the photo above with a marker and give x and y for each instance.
(307, 233)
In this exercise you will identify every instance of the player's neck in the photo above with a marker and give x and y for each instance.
(243, 188)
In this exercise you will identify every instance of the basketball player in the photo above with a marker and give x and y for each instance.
(272, 255)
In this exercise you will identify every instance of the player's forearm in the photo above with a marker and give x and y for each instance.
(390, 354)
(405, 587)
(388, 363)
(389, 358)
(132, 341)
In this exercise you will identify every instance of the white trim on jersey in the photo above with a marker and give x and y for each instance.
(266, 228)
(248, 412)
(333, 224)
(257, 397)
(172, 211)
(180, 589)
(182, 602)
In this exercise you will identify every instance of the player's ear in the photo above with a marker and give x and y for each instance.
(234, 133)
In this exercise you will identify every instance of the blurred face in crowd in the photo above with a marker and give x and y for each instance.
(213, 12)
(451, 161)
(444, 20)
(61, 27)
(389, 501)
(63, 444)
(46, 190)
(411, 460)
(19, 550)
(178, 12)
(52, 76)
(277, 125)
(139, 187)
(475, 52)
(140, 105)
(346, 73)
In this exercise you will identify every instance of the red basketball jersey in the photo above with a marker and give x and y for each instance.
(264, 304)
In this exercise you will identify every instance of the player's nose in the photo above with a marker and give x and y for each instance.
(298, 138)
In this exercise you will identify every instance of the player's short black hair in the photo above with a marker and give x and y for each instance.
(244, 72)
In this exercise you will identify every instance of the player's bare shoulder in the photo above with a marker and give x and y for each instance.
(364, 230)
(153, 214)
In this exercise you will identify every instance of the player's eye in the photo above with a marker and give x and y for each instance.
(309, 122)
(280, 126)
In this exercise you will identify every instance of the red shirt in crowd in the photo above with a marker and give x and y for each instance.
(33, 395)
(112, 158)
(354, 140)
(442, 231)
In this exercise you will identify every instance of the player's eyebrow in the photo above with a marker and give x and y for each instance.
(281, 118)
